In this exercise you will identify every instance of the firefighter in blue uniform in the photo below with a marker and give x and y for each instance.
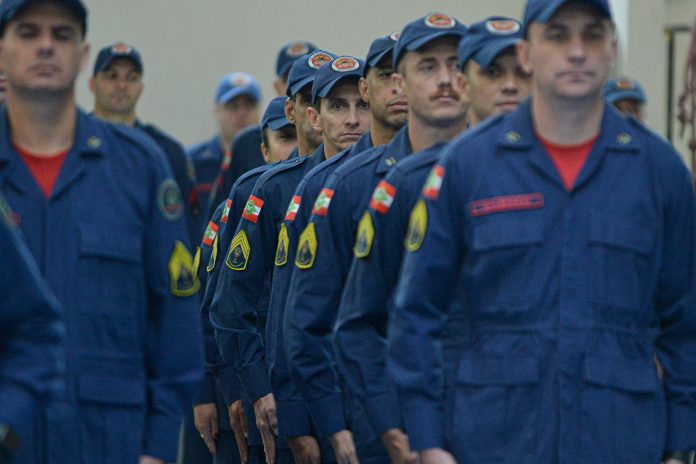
(361, 327)
(108, 236)
(537, 290)
(627, 95)
(324, 247)
(212, 403)
(251, 253)
(388, 114)
(32, 355)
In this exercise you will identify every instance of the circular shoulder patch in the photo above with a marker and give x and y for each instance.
(440, 21)
(297, 49)
(317, 59)
(169, 200)
(121, 49)
(624, 84)
(395, 36)
(345, 64)
(502, 26)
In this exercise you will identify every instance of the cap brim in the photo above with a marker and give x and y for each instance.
(419, 42)
(279, 123)
(553, 5)
(487, 54)
(374, 61)
(237, 91)
(299, 85)
(328, 87)
(625, 95)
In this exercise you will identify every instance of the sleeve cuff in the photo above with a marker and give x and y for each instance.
(327, 414)
(161, 437)
(681, 431)
(255, 380)
(206, 390)
(425, 427)
(383, 412)
(229, 385)
(293, 418)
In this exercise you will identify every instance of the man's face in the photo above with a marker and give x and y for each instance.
(571, 55)
(118, 87)
(240, 112)
(42, 50)
(630, 106)
(303, 100)
(344, 117)
(433, 83)
(280, 144)
(387, 103)
(497, 88)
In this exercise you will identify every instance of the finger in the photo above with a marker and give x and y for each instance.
(241, 443)
(210, 443)
(273, 421)
(268, 443)
(243, 424)
(314, 456)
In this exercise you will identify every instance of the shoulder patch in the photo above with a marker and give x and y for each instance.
(213, 255)
(431, 189)
(239, 252)
(252, 209)
(417, 225)
(169, 200)
(210, 234)
(383, 197)
(306, 248)
(366, 234)
(197, 260)
(184, 281)
(281, 257)
(321, 205)
(293, 208)
(226, 211)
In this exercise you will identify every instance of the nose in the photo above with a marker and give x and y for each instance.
(510, 83)
(46, 44)
(576, 49)
(352, 120)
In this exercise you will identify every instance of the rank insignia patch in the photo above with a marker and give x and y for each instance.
(417, 225)
(197, 261)
(210, 233)
(213, 255)
(431, 190)
(169, 200)
(252, 209)
(293, 208)
(306, 248)
(183, 278)
(366, 233)
(321, 206)
(226, 211)
(383, 197)
(239, 252)
(281, 257)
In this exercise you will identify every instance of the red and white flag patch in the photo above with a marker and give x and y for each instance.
(321, 206)
(293, 208)
(383, 197)
(252, 209)
(226, 211)
(210, 233)
(431, 190)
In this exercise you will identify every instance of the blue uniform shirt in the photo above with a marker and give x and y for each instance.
(361, 326)
(292, 412)
(527, 316)
(207, 158)
(32, 356)
(322, 261)
(110, 242)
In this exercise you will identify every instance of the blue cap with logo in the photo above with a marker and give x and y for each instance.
(274, 116)
(484, 41)
(235, 84)
(623, 88)
(426, 29)
(542, 10)
(10, 8)
(379, 49)
(118, 50)
(305, 68)
(289, 53)
(328, 76)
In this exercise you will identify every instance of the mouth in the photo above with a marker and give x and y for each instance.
(446, 98)
(44, 69)
(576, 75)
(348, 136)
(399, 106)
(507, 105)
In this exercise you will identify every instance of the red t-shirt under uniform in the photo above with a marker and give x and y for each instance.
(44, 169)
(568, 159)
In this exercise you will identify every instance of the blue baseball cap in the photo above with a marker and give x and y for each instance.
(118, 50)
(426, 29)
(304, 69)
(379, 49)
(331, 74)
(486, 40)
(623, 88)
(274, 116)
(542, 10)
(289, 53)
(10, 8)
(235, 84)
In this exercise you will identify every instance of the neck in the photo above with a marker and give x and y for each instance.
(304, 147)
(42, 126)
(567, 122)
(381, 133)
(422, 135)
(225, 143)
(123, 118)
(330, 150)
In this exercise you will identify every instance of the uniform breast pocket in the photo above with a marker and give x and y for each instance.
(621, 249)
(496, 409)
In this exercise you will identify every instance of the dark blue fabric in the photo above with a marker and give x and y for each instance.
(527, 322)
(206, 157)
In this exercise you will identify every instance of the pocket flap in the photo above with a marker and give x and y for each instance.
(489, 235)
(111, 390)
(119, 244)
(498, 371)
(622, 231)
(635, 375)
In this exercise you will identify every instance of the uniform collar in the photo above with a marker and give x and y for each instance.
(395, 151)
(363, 143)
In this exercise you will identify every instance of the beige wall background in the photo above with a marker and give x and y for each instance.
(188, 46)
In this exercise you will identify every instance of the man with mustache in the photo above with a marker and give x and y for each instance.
(425, 58)
(552, 258)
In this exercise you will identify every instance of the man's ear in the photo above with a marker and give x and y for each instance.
(290, 110)
(314, 118)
